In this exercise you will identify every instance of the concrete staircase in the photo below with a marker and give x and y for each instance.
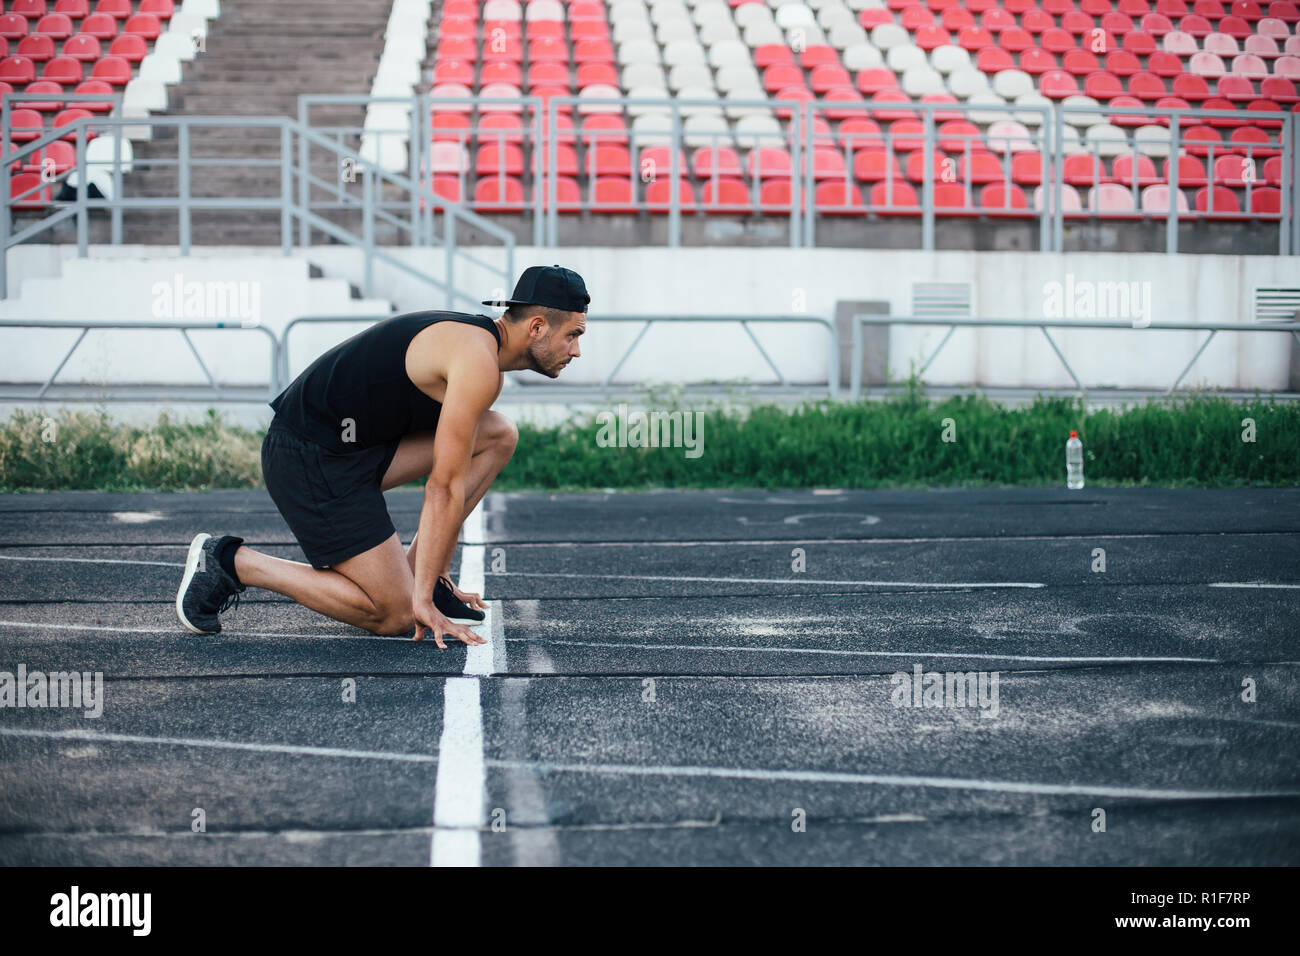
(259, 57)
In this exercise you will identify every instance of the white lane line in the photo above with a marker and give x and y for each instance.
(889, 780)
(460, 791)
(721, 773)
(847, 653)
(179, 632)
(31, 557)
(1253, 584)
(673, 577)
(974, 539)
(293, 749)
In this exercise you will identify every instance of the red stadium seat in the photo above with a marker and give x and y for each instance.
(838, 198)
(1125, 172)
(731, 195)
(1103, 86)
(897, 197)
(872, 165)
(143, 25)
(129, 47)
(613, 194)
(1191, 172)
(1225, 200)
(25, 125)
(499, 194)
(983, 167)
(118, 9)
(17, 70)
(659, 196)
(1033, 61)
(112, 69)
(1027, 168)
(1057, 85)
(1254, 142)
(100, 26)
(56, 26)
(36, 48)
(997, 199)
(82, 47)
(24, 182)
(1266, 200)
(955, 135)
(1123, 63)
(1082, 169)
(63, 69)
(41, 106)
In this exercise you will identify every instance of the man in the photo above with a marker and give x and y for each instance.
(408, 398)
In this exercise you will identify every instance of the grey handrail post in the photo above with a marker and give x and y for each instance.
(674, 204)
(5, 225)
(796, 187)
(833, 357)
(304, 184)
(1045, 213)
(927, 179)
(286, 190)
(368, 226)
(115, 213)
(184, 168)
(1056, 192)
(1175, 164)
(540, 177)
(83, 192)
(809, 187)
(855, 369)
(552, 137)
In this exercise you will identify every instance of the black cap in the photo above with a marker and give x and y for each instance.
(552, 286)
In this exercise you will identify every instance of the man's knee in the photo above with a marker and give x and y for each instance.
(502, 433)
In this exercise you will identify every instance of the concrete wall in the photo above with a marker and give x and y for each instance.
(726, 280)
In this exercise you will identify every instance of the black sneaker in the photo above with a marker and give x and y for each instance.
(452, 607)
(206, 590)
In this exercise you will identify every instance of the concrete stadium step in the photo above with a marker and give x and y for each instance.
(259, 58)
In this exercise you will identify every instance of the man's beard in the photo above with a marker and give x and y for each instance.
(542, 362)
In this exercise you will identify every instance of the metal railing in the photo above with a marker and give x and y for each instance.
(280, 172)
(279, 374)
(832, 385)
(824, 174)
(146, 392)
(1044, 325)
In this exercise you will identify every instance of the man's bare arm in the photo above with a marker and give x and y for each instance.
(472, 378)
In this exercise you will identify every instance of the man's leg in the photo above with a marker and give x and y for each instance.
(494, 445)
(371, 591)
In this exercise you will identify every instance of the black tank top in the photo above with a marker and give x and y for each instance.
(358, 395)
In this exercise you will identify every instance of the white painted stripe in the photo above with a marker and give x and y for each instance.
(291, 749)
(460, 789)
(31, 557)
(889, 780)
(847, 653)
(460, 792)
(723, 773)
(873, 584)
(1254, 584)
(177, 630)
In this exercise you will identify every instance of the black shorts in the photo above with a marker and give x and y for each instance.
(332, 502)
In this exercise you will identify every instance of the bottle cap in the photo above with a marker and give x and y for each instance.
(1073, 433)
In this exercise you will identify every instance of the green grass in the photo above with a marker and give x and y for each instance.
(1193, 441)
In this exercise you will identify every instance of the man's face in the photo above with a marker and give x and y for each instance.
(554, 347)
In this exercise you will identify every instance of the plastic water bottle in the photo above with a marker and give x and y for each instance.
(1074, 462)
